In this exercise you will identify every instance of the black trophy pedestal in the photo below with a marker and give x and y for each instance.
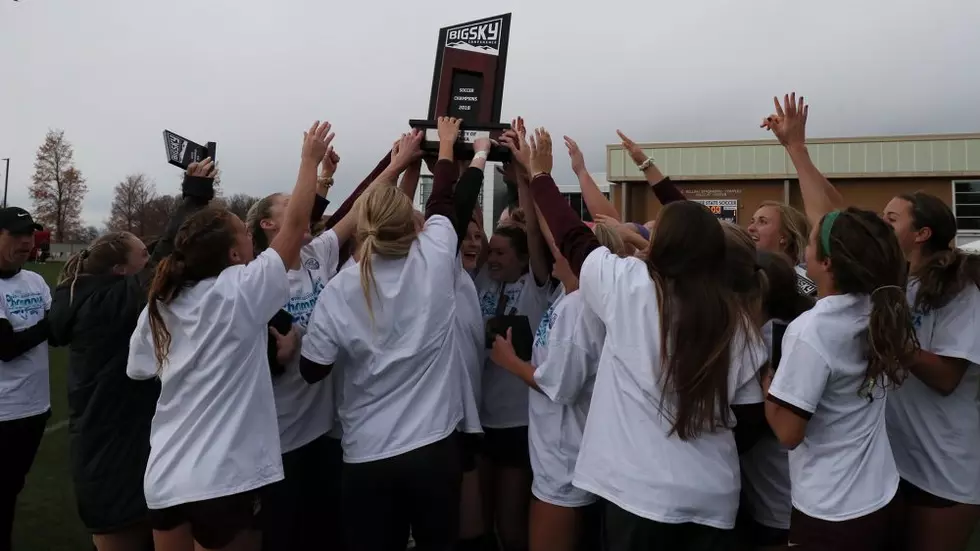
(464, 145)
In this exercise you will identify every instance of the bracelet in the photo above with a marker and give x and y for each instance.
(327, 182)
(645, 164)
(536, 174)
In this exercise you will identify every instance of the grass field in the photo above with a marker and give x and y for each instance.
(46, 517)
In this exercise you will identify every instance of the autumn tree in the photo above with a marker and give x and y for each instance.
(157, 213)
(239, 204)
(89, 234)
(58, 188)
(130, 201)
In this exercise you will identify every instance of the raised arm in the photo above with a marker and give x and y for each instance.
(540, 162)
(296, 221)
(328, 167)
(468, 189)
(410, 178)
(348, 203)
(440, 201)
(574, 239)
(595, 201)
(662, 187)
(788, 124)
(197, 190)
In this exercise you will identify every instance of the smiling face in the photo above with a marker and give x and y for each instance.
(504, 263)
(765, 229)
(898, 215)
(471, 247)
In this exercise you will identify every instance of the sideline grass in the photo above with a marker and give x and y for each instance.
(46, 515)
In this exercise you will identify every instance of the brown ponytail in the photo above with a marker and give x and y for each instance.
(945, 271)
(201, 250)
(865, 258)
(100, 258)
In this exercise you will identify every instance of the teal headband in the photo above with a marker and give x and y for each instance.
(825, 227)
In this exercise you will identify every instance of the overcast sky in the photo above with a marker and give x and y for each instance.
(252, 75)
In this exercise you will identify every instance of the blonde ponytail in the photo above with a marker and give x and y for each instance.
(385, 227)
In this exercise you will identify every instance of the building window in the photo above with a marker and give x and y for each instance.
(966, 205)
(425, 189)
(578, 205)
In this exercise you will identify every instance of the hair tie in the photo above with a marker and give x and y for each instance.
(825, 227)
(84, 254)
(371, 233)
(886, 287)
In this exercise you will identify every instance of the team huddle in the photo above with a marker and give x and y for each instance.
(294, 381)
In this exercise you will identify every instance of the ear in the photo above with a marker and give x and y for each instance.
(235, 257)
(923, 235)
(267, 224)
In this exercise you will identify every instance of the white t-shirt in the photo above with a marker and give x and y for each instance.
(214, 433)
(400, 390)
(504, 394)
(469, 342)
(935, 438)
(626, 455)
(306, 411)
(844, 468)
(566, 357)
(24, 300)
(765, 473)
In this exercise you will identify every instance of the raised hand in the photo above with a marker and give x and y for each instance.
(316, 142)
(788, 123)
(542, 160)
(407, 150)
(575, 154)
(482, 144)
(630, 146)
(448, 129)
(203, 169)
(520, 152)
(328, 166)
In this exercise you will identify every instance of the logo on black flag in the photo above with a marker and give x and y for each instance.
(483, 37)
(176, 146)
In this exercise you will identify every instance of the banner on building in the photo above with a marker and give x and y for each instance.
(724, 209)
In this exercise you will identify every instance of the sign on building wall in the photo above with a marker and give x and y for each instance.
(724, 209)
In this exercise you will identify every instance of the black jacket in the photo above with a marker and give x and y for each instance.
(109, 414)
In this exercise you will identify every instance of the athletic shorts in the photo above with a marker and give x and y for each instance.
(469, 447)
(917, 497)
(876, 530)
(214, 522)
(507, 447)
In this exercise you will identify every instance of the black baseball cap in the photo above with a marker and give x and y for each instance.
(17, 220)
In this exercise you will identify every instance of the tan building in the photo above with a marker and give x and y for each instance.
(734, 177)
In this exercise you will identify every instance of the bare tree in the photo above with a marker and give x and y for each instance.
(157, 213)
(130, 201)
(89, 234)
(239, 204)
(58, 188)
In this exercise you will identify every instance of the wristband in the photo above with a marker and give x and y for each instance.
(645, 164)
(326, 181)
(480, 155)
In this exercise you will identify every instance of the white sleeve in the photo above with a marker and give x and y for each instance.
(263, 287)
(326, 250)
(320, 341)
(749, 358)
(439, 234)
(957, 326)
(572, 357)
(3, 308)
(46, 292)
(802, 374)
(600, 278)
(141, 363)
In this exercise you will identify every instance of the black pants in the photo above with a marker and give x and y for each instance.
(19, 440)
(628, 532)
(302, 511)
(418, 490)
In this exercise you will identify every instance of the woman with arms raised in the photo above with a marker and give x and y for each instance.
(214, 440)
(678, 361)
(388, 324)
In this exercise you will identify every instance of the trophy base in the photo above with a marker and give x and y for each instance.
(464, 145)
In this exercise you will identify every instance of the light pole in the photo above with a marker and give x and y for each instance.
(6, 179)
